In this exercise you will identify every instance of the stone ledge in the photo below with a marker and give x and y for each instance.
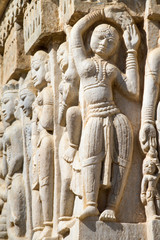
(98, 230)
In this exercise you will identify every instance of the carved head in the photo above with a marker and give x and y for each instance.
(10, 100)
(149, 166)
(40, 69)
(104, 40)
(62, 56)
(27, 95)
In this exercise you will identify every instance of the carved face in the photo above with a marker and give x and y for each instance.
(149, 167)
(38, 72)
(26, 100)
(62, 57)
(104, 40)
(9, 106)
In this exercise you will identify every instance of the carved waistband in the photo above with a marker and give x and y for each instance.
(103, 109)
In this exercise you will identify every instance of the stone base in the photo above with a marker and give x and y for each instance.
(153, 230)
(93, 229)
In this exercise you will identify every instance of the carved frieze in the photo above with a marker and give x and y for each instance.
(38, 22)
(15, 61)
(71, 80)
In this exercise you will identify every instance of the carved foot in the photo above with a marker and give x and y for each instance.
(47, 232)
(154, 217)
(69, 154)
(63, 228)
(36, 235)
(89, 212)
(108, 215)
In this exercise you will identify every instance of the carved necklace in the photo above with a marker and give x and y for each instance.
(103, 65)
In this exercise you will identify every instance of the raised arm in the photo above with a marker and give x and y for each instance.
(77, 45)
(129, 82)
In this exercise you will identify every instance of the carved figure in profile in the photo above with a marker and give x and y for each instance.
(150, 196)
(107, 139)
(44, 155)
(13, 163)
(70, 118)
(27, 95)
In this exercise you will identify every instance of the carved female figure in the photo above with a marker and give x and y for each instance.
(27, 95)
(107, 134)
(42, 188)
(13, 163)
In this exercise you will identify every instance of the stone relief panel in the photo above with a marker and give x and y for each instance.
(15, 62)
(13, 159)
(71, 97)
(103, 164)
(43, 159)
(38, 22)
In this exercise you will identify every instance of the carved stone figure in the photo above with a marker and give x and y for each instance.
(13, 163)
(148, 135)
(42, 187)
(3, 192)
(69, 116)
(107, 141)
(150, 196)
(27, 95)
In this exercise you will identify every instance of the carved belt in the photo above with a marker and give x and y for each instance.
(103, 110)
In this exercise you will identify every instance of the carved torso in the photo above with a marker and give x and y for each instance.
(97, 80)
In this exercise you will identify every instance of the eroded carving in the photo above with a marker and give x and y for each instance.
(149, 193)
(13, 163)
(70, 118)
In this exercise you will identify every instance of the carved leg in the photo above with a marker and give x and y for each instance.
(121, 158)
(46, 184)
(67, 196)
(93, 154)
(74, 125)
(150, 210)
(36, 214)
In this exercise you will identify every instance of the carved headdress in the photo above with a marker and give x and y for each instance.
(12, 86)
(28, 85)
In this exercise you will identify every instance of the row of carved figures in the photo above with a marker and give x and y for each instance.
(95, 150)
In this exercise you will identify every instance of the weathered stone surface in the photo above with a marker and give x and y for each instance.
(15, 62)
(97, 230)
(40, 21)
(79, 126)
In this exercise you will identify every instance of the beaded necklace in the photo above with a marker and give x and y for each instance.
(103, 64)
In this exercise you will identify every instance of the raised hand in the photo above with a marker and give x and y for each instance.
(148, 137)
(131, 37)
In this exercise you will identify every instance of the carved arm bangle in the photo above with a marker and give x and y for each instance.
(131, 61)
(148, 115)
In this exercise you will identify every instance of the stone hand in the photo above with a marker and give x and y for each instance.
(143, 198)
(131, 37)
(148, 137)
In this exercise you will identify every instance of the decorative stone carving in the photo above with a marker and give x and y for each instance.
(39, 17)
(70, 158)
(27, 95)
(13, 163)
(3, 193)
(107, 141)
(70, 117)
(150, 196)
(15, 61)
(43, 158)
(12, 15)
